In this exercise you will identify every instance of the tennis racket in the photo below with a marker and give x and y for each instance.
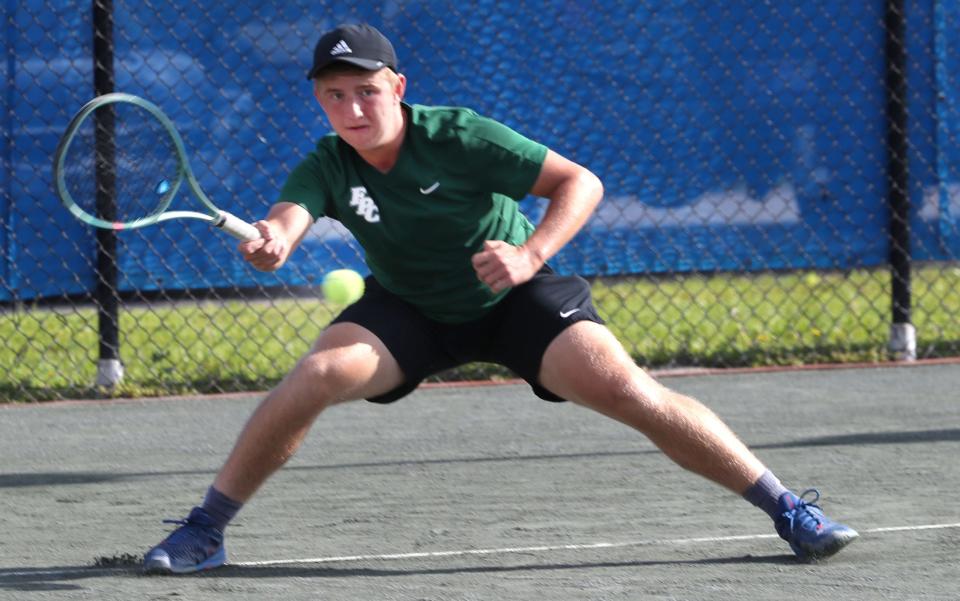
(121, 162)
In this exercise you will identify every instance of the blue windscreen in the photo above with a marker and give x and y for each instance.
(749, 137)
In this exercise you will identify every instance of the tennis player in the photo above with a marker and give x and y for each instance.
(458, 275)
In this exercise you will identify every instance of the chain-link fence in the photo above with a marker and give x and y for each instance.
(782, 179)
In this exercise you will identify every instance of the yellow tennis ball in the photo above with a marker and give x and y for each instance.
(342, 286)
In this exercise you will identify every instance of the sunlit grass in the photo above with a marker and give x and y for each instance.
(717, 321)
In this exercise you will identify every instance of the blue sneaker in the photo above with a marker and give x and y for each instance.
(811, 535)
(196, 545)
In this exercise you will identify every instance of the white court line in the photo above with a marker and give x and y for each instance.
(540, 549)
(92, 571)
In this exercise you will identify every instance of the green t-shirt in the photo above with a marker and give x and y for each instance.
(455, 184)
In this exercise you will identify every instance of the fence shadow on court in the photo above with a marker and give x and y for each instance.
(15, 480)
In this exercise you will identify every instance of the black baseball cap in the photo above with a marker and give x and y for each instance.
(359, 45)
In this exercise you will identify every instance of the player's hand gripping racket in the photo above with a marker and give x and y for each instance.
(120, 163)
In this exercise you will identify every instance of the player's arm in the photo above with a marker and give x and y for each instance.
(282, 231)
(573, 192)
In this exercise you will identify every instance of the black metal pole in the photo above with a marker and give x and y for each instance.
(109, 368)
(902, 334)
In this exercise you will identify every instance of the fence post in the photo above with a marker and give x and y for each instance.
(903, 339)
(109, 367)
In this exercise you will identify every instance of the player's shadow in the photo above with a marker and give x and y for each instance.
(54, 578)
(67, 578)
(315, 571)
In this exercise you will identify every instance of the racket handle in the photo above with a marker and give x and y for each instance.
(236, 227)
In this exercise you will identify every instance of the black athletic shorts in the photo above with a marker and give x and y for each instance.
(514, 334)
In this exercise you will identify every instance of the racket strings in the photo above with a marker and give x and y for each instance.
(122, 165)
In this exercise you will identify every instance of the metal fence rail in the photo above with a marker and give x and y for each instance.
(783, 180)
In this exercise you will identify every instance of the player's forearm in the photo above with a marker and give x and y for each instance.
(281, 232)
(291, 223)
(571, 203)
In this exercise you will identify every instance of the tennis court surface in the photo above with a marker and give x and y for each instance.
(487, 493)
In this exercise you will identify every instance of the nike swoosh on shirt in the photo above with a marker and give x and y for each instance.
(430, 189)
(565, 314)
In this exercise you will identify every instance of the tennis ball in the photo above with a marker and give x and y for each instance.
(342, 286)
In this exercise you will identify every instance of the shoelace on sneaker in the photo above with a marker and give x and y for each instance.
(805, 510)
(196, 518)
(191, 540)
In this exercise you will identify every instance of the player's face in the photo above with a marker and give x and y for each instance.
(364, 108)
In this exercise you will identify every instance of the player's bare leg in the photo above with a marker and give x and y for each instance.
(586, 364)
(346, 363)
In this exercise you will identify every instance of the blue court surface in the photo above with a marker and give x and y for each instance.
(486, 492)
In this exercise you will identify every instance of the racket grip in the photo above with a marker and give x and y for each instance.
(236, 227)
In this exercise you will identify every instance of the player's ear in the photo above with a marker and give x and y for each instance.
(400, 85)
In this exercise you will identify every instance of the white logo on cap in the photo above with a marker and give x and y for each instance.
(340, 48)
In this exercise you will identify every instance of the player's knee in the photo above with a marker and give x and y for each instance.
(324, 380)
(644, 401)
